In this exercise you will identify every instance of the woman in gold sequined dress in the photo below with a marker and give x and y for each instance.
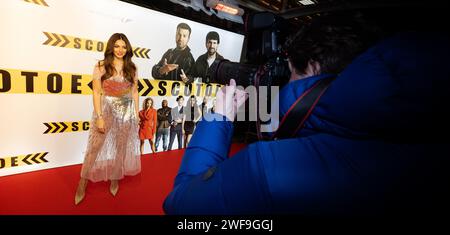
(113, 147)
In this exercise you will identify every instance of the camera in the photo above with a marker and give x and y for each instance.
(263, 67)
(265, 63)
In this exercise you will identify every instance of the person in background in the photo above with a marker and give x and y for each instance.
(213, 107)
(207, 63)
(163, 125)
(176, 122)
(192, 114)
(204, 105)
(177, 64)
(147, 125)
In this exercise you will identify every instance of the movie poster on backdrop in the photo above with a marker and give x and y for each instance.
(46, 66)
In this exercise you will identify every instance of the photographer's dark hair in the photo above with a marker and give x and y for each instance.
(333, 40)
(213, 36)
(179, 97)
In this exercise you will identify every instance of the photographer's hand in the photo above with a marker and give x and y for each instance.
(229, 99)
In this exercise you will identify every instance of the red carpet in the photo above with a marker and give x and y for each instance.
(51, 192)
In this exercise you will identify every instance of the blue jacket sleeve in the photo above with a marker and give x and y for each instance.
(210, 183)
(208, 147)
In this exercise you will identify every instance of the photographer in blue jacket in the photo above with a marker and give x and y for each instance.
(368, 146)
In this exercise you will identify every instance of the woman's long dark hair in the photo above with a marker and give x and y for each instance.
(129, 68)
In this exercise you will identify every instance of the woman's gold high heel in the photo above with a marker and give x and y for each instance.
(81, 191)
(114, 187)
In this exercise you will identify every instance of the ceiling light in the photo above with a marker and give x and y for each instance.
(306, 2)
(225, 7)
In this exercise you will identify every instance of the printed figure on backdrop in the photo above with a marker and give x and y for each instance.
(204, 105)
(177, 64)
(176, 122)
(113, 145)
(163, 125)
(207, 63)
(147, 125)
(191, 116)
(213, 108)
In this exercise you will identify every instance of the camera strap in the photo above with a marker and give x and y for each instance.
(302, 108)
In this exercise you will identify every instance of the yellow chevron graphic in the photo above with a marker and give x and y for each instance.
(23, 160)
(60, 127)
(148, 87)
(42, 82)
(67, 41)
(38, 2)
(141, 52)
